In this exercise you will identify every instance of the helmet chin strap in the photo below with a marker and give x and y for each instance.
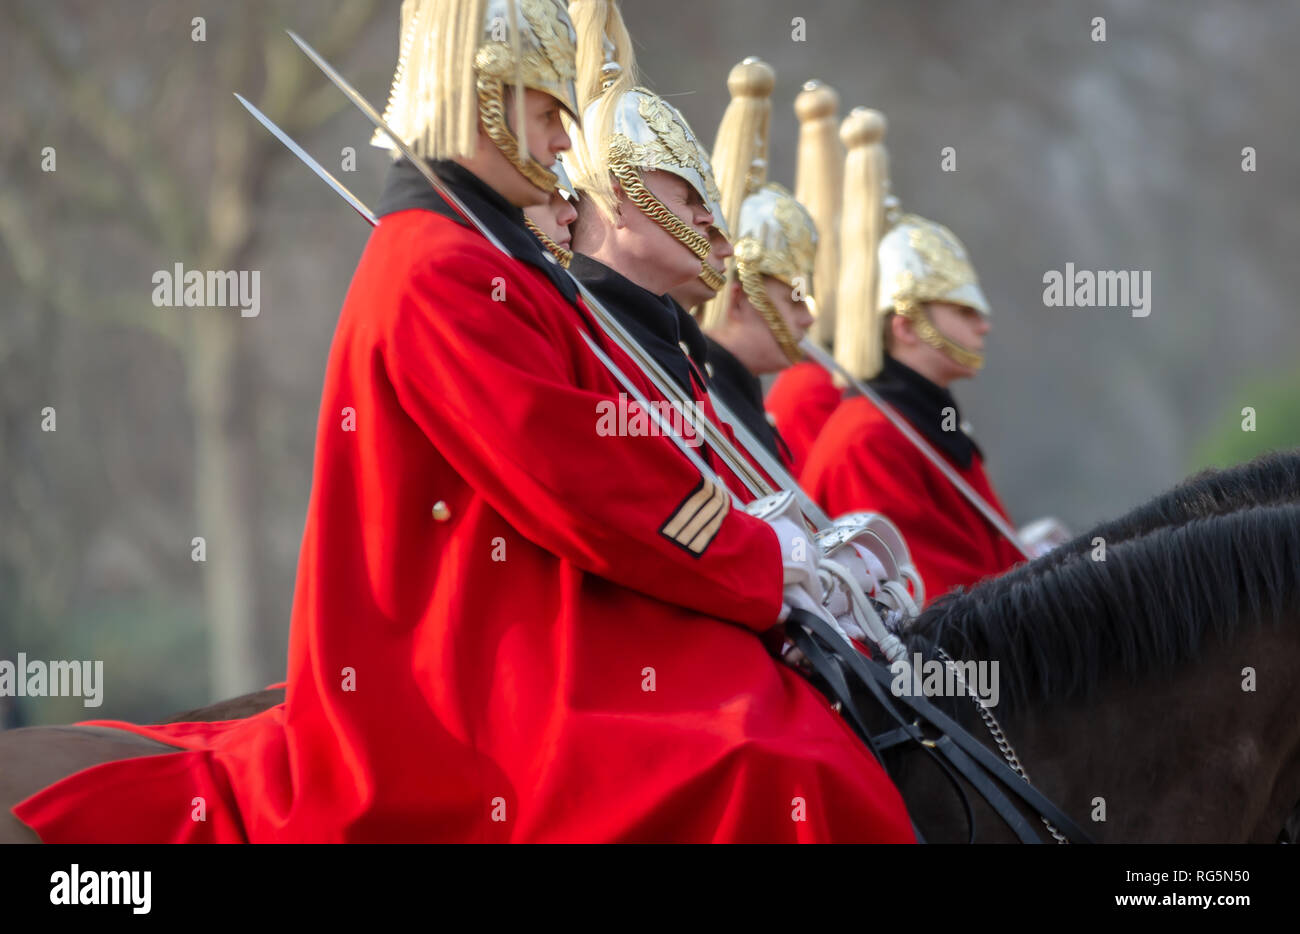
(490, 86)
(562, 256)
(751, 280)
(928, 333)
(492, 111)
(629, 179)
(711, 277)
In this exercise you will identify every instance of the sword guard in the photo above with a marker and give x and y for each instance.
(779, 504)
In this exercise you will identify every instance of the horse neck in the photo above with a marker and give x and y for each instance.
(1209, 752)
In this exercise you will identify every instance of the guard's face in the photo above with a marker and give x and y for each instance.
(545, 138)
(694, 291)
(796, 314)
(963, 326)
(650, 243)
(553, 218)
(546, 135)
(719, 250)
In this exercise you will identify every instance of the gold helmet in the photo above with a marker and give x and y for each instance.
(818, 184)
(628, 129)
(455, 59)
(774, 234)
(900, 261)
(922, 261)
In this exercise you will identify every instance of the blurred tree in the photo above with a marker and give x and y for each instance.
(176, 167)
(1271, 409)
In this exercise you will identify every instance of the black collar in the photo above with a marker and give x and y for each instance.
(406, 188)
(725, 368)
(689, 333)
(742, 392)
(656, 322)
(923, 403)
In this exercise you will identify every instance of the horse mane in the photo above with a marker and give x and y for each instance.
(1059, 628)
(1269, 480)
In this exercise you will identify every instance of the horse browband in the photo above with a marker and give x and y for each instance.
(967, 755)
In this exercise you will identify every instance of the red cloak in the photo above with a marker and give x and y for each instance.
(570, 654)
(800, 401)
(862, 462)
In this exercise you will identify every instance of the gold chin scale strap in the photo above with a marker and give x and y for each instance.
(711, 277)
(491, 105)
(563, 256)
(748, 252)
(926, 330)
(655, 209)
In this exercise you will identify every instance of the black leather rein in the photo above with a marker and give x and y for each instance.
(976, 763)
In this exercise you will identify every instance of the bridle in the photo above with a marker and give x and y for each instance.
(920, 722)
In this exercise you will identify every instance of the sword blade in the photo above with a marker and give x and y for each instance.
(704, 469)
(831, 365)
(753, 480)
(374, 117)
(775, 469)
(311, 163)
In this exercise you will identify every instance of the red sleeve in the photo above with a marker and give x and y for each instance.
(866, 464)
(495, 386)
(801, 401)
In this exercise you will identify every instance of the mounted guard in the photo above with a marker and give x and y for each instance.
(498, 611)
(909, 324)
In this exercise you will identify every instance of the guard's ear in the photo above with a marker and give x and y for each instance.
(619, 197)
(901, 331)
(738, 307)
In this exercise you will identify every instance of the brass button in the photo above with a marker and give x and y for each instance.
(708, 368)
(441, 511)
(686, 350)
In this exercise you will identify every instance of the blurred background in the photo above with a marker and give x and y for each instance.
(176, 423)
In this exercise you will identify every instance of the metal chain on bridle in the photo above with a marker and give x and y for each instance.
(999, 738)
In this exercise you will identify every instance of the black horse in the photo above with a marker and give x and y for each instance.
(1152, 694)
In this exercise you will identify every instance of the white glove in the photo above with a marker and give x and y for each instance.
(799, 551)
(882, 538)
(862, 566)
(1042, 535)
(851, 576)
(797, 598)
(833, 575)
